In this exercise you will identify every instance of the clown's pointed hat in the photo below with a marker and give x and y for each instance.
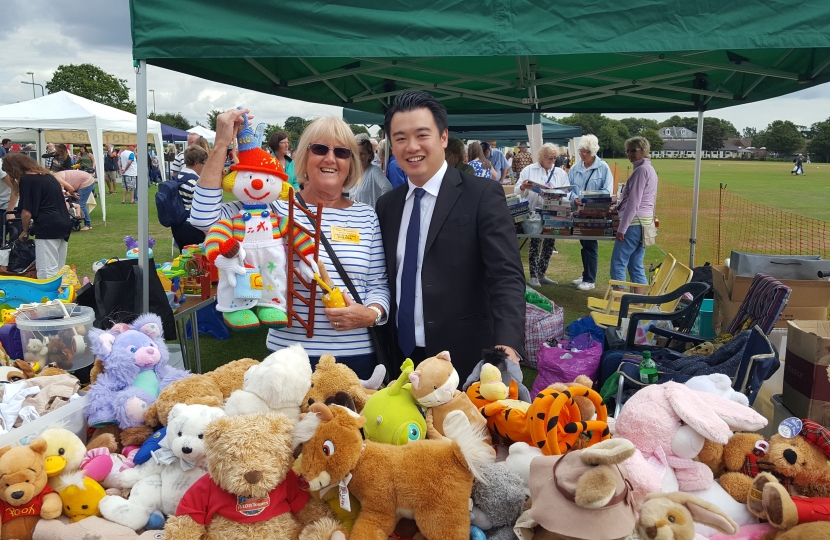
(254, 158)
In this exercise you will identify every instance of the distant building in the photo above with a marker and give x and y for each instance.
(676, 133)
(685, 148)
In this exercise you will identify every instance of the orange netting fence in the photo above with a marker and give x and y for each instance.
(728, 222)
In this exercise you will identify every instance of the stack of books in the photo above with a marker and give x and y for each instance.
(557, 217)
(594, 218)
(520, 210)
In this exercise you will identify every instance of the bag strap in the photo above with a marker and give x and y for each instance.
(334, 260)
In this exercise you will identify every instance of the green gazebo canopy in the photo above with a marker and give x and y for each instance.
(637, 56)
(506, 128)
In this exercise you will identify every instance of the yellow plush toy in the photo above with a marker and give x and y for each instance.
(80, 496)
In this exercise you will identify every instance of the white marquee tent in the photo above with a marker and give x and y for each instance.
(66, 118)
(204, 132)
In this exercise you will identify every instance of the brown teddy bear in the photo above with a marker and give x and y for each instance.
(59, 353)
(799, 462)
(250, 491)
(790, 512)
(25, 495)
(329, 377)
(211, 389)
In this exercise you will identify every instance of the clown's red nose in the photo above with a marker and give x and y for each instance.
(256, 183)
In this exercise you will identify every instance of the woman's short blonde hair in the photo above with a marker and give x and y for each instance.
(547, 150)
(323, 128)
(638, 142)
(589, 142)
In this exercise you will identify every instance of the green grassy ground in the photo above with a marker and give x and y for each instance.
(766, 182)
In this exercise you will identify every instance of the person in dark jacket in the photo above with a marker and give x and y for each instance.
(111, 169)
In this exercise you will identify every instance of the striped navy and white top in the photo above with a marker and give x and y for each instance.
(364, 262)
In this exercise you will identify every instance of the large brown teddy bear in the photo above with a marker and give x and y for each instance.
(211, 389)
(25, 495)
(329, 377)
(250, 491)
(795, 460)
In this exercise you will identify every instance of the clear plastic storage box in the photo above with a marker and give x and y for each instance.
(57, 332)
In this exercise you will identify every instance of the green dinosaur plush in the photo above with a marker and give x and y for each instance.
(392, 414)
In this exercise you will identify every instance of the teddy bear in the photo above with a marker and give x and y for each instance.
(392, 414)
(211, 389)
(25, 495)
(159, 484)
(36, 351)
(498, 501)
(671, 516)
(59, 353)
(278, 385)
(330, 377)
(435, 388)
(249, 249)
(507, 372)
(798, 462)
(134, 358)
(250, 491)
(785, 511)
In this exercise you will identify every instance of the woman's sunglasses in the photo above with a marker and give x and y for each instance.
(321, 150)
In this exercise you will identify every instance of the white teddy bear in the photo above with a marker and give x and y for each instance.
(278, 384)
(718, 384)
(36, 351)
(159, 484)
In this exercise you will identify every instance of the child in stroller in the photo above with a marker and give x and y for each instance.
(75, 212)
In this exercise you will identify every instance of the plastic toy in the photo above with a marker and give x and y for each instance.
(132, 247)
(392, 413)
(15, 291)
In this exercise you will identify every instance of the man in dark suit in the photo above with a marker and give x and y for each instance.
(454, 266)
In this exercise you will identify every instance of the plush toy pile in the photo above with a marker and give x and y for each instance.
(276, 449)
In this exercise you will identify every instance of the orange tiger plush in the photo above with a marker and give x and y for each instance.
(552, 422)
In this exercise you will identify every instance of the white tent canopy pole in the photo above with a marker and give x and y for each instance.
(534, 137)
(696, 193)
(141, 188)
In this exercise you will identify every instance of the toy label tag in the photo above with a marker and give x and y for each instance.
(790, 427)
(345, 235)
(345, 503)
(252, 506)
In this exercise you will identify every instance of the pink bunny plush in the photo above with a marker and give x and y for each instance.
(668, 424)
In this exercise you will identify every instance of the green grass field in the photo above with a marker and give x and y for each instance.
(765, 182)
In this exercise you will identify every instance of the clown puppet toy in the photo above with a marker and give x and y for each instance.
(250, 249)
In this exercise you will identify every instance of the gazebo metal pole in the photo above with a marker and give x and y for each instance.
(141, 187)
(696, 193)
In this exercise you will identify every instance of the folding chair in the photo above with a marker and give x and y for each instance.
(610, 303)
(758, 363)
(680, 275)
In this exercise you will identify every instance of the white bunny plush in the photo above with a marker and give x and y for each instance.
(668, 424)
(718, 384)
(671, 516)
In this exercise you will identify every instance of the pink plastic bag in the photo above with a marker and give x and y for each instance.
(563, 365)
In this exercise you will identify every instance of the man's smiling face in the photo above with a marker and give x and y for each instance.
(417, 144)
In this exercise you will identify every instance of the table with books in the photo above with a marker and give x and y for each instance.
(596, 219)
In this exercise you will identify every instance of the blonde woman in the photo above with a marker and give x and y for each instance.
(326, 162)
(542, 173)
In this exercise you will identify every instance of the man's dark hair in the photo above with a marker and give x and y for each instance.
(410, 101)
(485, 146)
(5, 141)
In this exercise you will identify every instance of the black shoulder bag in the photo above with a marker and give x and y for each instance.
(380, 336)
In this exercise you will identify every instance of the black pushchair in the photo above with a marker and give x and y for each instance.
(12, 227)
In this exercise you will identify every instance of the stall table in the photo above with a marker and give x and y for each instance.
(192, 305)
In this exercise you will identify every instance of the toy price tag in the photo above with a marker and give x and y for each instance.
(345, 503)
(790, 427)
(345, 235)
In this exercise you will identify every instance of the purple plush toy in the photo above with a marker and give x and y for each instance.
(135, 371)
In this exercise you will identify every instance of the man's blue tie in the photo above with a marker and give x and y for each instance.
(406, 308)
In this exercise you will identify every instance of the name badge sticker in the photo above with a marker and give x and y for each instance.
(345, 235)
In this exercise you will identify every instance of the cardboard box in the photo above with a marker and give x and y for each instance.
(807, 370)
(808, 300)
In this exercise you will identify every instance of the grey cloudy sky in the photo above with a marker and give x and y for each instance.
(40, 35)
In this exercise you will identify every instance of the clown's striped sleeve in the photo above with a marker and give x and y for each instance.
(222, 230)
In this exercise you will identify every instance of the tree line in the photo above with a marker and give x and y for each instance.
(781, 137)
